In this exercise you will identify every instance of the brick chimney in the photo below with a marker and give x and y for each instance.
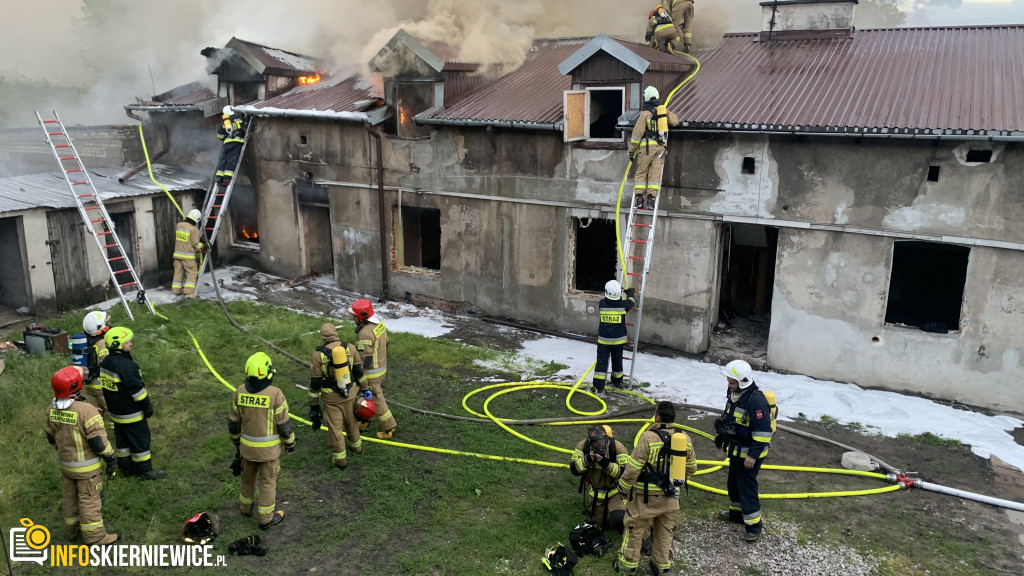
(806, 19)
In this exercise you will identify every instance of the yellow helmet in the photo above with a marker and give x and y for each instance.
(117, 337)
(259, 366)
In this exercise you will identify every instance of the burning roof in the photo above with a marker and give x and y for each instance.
(267, 60)
(342, 98)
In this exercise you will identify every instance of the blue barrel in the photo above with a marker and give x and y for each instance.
(80, 351)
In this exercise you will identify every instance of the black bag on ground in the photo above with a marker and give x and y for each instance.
(588, 538)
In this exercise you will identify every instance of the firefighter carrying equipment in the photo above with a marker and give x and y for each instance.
(665, 472)
(67, 382)
(248, 546)
(365, 410)
(339, 372)
(200, 529)
(117, 337)
(587, 538)
(560, 560)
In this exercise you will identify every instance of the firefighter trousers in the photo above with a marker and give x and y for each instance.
(340, 416)
(682, 17)
(229, 159)
(742, 486)
(384, 417)
(132, 447)
(82, 505)
(186, 273)
(267, 473)
(600, 510)
(650, 161)
(660, 514)
(668, 39)
(601, 370)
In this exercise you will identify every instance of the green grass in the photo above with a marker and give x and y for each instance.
(930, 439)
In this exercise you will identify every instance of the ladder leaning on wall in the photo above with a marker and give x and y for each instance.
(638, 249)
(93, 212)
(216, 202)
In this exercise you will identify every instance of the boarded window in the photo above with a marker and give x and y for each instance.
(577, 111)
(420, 233)
(926, 285)
(596, 250)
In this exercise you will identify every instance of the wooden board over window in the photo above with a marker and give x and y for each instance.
(576, 125)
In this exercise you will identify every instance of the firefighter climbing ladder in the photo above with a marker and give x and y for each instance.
(638, 248)
(216, 202)
(93, 212)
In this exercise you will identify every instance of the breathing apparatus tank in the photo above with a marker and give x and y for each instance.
(80, 352)
(340, 366)
(677, 471)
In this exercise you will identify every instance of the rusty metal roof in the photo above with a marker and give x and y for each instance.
(952, 80)
(333, 97)
(277, 61)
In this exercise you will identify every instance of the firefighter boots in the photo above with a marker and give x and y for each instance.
(753, 533)
(638, 201)
(151, 475)
(108, 539)
(386, 435)
(275, 519)
(734, 516)
(650, 201)
(73, 532)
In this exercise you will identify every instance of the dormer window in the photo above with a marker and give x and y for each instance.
(592, 113)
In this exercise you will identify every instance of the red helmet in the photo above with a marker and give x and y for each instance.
(362, 309)
(365, 410)
(67, 382)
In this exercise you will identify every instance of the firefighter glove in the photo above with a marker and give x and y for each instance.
(111, 467)
(148, 413)
(289, 448)
(630, 292)
(236, 466)
(647, 36)
(368, 394)
(316, 417)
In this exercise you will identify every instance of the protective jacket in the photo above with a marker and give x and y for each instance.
(600, 480)
(645, 132)
(259, 421)
(372, 344)
(320, 381)
(612, 330)
(78, 434)
(186, 240)
(232, 129)
(123, 388)
(751, 415)
(97, 353)
(647, 450)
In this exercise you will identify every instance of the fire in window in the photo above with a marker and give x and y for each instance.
(419, 231)
(411, 98)
(595, 262)
(926, 286)
(243, 214)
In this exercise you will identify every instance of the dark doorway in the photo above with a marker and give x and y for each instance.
(926, 285)
(605, 108)
(421, 237)
(124, 226)
(68, 258)
(13, 274)
(596, 251)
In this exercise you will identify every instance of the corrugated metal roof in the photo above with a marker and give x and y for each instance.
(899, 80)
(277, 61)
(49, 190)
(331, 95)
(201, 95)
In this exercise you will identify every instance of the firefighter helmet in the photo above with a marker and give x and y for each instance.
(227, 111)
(194, 215)
(67, 382)
(362, 309)
(365, 410)
(117, 337)
(740, 371)
(200, 529)
(650, 93)
(259, 367)
(96, 323)
(613, 290)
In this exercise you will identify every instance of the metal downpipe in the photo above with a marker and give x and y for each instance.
(380, 211)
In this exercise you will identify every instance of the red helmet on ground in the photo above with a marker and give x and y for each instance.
(362, 309)
(67, 382)
(365, 410)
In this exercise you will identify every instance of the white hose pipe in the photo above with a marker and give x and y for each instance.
(968, 495)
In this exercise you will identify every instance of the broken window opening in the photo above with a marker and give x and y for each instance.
(748, 273)
(421, 238)
(595, 258)
(411, 98)
(243, 214)
(302, 139)
(926, 285)
(933, 173)
(748, 164)
(979, 156)
(606, 105)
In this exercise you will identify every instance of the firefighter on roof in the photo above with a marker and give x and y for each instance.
(95, 325)
(611, 332)
(661, 32)
(332, 384)
(648, 148)
(599, 461)
(129, 406)
(232, 133)
(259, 424)
(76, 430)
(682, 17)
(662, 459)
(372, 355)
(186, 244)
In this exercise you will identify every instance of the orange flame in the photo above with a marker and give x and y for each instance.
(249, 234)
(310, 79)
(401, 115)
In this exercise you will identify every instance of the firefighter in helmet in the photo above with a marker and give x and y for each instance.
(187, 241)
(95, 324)
(372, 355)
(682, 18)
(661, 32)
(232, 133)
(259, 424)
(333, 381)
(611, 332)
(648, 148)
(75, 428)
(599, 460)
(129, 406)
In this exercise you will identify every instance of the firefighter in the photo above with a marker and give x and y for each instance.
(95, 324)
(661, 32)
(75, 429)
(372, 356)
(611, 333)
(232, 133)
(129, 406)
(748, 416)
(187, 241)
(599, 461)
(682, 18)
(333, 387)
(648, 147)
(653, 500)
(259, 422)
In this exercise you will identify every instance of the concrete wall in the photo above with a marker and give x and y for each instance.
(24, 150)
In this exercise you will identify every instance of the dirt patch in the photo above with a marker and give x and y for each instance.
(478, 333)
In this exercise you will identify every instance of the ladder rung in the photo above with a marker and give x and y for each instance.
(86, 195)
(96, 220)
(110, 245)
(128, 283)
(120, 271)
(62, 145)
(69, 158)
(220, 194)
(639, 241)
(114, 259)
(635, 257)
(49, 121)
(103, 233)
(217, 205)
(79, 183)
(645, 225)
(628, 324)
(633, 274)
(55, 133)
(73, 170)
(92, 207)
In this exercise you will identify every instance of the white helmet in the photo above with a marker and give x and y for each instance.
(613, 290)
(194, 215)
(740, 371)
(650, 93)
(227, 111)
(95, 323)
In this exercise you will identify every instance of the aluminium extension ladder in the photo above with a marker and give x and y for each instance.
(638, 248)
(91, 209)
(216, 202)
